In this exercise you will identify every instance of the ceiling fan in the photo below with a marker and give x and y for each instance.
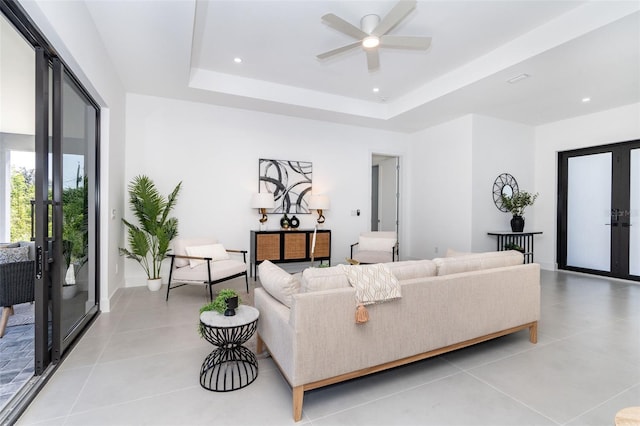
(372, 33)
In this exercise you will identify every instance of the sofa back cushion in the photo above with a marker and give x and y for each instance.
(316, 279)
(409, 269)
(478, 261)
(280, 284)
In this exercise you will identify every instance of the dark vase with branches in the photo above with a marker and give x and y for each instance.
(516, 204)
(149, 242)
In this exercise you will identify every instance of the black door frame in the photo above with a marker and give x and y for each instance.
(620, 207)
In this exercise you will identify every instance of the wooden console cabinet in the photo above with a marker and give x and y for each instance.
(288, 246)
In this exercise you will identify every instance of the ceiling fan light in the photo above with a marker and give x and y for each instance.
(370, 42)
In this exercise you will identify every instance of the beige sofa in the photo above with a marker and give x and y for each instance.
(446, 304)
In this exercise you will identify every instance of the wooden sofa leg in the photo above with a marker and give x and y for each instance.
(533, 332)
(298, 395)
(7, 311)
(259, 344)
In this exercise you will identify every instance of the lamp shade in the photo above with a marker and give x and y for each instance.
(262, 200)
(319, 202)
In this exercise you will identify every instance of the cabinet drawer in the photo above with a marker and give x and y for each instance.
(295, 246)
(267, 247)
(323, 245)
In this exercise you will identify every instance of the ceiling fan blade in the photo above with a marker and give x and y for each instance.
(325, 55)
(397, 14)
(405, 42)
(343, 26)
(373, 59)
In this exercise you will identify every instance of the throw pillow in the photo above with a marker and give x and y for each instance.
(216, 252)
(278, 283)
(373, 283)
(11, 255)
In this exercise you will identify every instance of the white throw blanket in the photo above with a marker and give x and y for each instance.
(373, 284)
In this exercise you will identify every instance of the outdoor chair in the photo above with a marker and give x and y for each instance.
(17, 282)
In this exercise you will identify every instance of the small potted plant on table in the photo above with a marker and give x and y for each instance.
(516, 204)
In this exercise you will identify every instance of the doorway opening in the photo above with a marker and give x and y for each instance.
(385, 192)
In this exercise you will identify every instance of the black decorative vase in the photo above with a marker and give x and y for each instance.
(232, 304)
(517, 223)
(284, 222)
(294, 222)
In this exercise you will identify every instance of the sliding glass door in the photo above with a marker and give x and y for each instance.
(598, 210)
(49, 148)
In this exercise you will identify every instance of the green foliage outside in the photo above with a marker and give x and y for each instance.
(23, 190)
(75, 228)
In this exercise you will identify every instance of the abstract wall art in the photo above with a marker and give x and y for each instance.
(290, 183)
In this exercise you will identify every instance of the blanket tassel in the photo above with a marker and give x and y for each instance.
(362, 315)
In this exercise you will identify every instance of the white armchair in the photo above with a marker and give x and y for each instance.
(375, 247)
(204, 261)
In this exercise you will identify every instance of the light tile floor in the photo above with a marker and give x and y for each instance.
(140, 364)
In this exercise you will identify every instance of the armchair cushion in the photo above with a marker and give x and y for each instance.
(180, 244)
(278, 283)
(377, 241)
(216, 252)
(219, 269)
(15, 254)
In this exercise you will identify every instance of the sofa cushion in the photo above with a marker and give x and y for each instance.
(216, 252)
(278, 283)
(373, 283)
(15, 254)
(316, 279)
(409, 269)
(478, 261)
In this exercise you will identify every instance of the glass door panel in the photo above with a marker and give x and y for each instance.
(634, 214)
(589, 212)
(17, 191)
(78, 141)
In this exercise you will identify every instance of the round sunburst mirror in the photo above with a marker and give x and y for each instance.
(506, 185)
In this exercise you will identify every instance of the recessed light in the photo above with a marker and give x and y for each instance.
(518, 78)
(585, 100)
(237, 60)
(376, 90)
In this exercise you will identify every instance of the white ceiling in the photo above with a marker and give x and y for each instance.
(570, 49)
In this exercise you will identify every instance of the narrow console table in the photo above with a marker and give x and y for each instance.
(523, 241)
(289, 246)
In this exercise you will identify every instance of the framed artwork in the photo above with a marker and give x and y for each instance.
(290, 183)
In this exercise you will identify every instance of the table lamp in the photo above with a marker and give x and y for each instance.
(262, 201)
(320, 203)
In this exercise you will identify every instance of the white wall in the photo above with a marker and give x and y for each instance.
(499, 146)
(69, 27)
(440, 189)
(615, 125)
(454, 166)
(215, 150)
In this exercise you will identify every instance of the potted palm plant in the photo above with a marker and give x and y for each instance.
(516, 204)
(149, 242)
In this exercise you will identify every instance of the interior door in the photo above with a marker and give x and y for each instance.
(598, 200)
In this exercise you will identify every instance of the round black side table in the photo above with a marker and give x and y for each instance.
(230, 366)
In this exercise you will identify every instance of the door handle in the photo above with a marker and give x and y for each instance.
(612, 224)
(39, 262)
